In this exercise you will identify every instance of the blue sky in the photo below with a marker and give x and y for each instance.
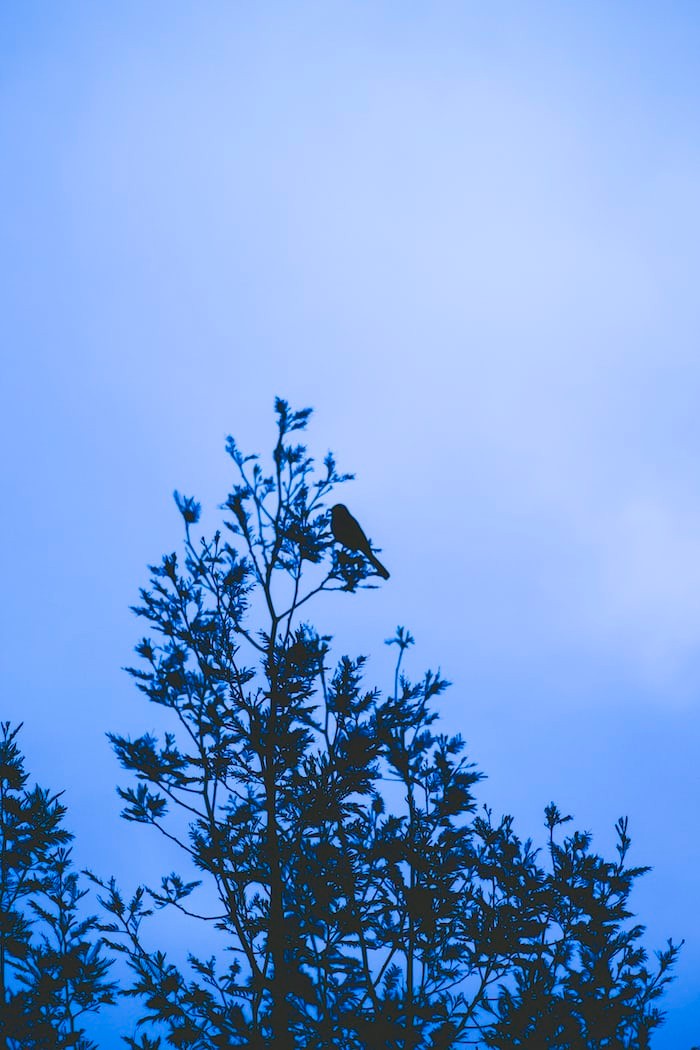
(468, 235)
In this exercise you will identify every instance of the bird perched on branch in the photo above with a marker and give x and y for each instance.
(348, 532)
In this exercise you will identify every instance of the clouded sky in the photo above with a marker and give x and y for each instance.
(468, 236)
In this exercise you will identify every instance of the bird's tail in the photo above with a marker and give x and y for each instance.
(379, 567)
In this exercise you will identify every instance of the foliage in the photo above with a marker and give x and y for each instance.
(52, 969)
(363, 898)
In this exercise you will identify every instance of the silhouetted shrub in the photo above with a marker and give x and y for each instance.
(52, 967)
(366, 901)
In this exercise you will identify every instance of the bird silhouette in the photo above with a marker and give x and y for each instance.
(348, 532)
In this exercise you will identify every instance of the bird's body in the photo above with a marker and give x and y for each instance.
(348, 532)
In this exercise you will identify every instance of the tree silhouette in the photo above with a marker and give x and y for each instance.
(52, 968)
(362, 898)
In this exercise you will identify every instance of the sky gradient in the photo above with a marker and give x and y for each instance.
(468, 236)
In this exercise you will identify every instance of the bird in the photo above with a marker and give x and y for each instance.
(348, 532)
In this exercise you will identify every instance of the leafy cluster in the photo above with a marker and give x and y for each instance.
(362, 897)
(580, 977)
(52, 967)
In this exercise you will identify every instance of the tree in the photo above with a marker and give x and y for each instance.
(350, 924)
(52, 967)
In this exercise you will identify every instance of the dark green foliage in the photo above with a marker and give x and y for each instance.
(52, 970)
(364, 899)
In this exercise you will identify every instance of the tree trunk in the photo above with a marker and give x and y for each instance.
(281, 1036)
